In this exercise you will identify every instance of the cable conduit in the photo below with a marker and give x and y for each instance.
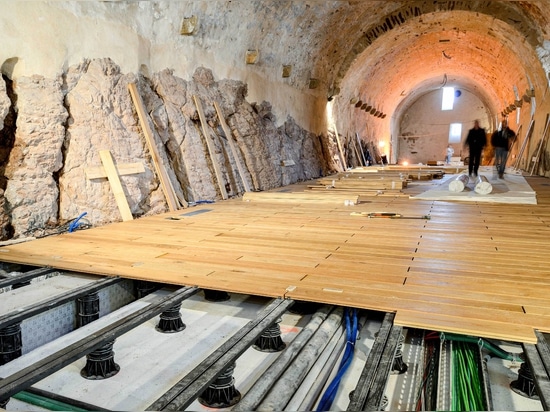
(253, 397)
(283, 389)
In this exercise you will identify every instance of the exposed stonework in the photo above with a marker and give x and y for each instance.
(62, 125)
(31, 191)
(5, 103)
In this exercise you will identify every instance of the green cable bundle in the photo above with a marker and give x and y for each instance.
(466, 383)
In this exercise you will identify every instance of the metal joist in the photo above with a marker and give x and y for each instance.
(56, 301)
(58, 360)
(369, 391)
(197, 381)
(25, 277)
(538, 358)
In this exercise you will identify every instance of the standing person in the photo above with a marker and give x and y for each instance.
(450, 153)
(476, 141)
(501, 141)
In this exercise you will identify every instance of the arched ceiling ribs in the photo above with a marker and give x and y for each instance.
(508, 12)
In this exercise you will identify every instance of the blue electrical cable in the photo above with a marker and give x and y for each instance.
(351, 337)
(74, 224)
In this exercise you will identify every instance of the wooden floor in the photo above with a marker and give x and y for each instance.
(473, 268)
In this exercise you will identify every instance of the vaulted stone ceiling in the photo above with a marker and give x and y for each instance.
(387, 53)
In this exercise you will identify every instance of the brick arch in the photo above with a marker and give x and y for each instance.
(511, 14)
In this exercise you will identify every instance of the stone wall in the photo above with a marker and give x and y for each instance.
(63, 123)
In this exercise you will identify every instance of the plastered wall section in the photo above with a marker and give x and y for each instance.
(47, 37)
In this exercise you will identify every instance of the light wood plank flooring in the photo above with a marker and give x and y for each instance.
(474, 268)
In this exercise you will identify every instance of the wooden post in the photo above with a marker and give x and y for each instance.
(229, 137)
(116, 186)
(342, 156)
(210, 146)
(165, 183)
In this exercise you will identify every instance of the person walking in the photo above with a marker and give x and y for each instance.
(476, 141)
(502, 140)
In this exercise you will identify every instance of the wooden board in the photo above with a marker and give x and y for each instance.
(474, 269)
(211, 148)
(232, 147)
(164, 179)
(116, 186)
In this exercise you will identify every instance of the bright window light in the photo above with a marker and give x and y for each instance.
(448, 98)
(455, 132)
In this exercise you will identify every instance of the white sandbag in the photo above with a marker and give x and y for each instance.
(483, 187)
(459, 183)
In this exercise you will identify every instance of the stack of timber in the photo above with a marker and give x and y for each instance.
(301, 197)
(368, 184)
(406, 172)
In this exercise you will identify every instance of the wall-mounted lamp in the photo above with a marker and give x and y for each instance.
(314, 83)
(287, 70)
(251, 56)
(189, 25)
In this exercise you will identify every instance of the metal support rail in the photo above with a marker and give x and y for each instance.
(487, 394)
(538, 358)
(369, 392)
(58, 360)
(25, 277)
(183, 393)
(56, 301)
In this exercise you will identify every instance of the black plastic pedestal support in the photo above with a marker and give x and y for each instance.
(216, 295)
(270, 340)
(100, 364)
(525, 384)
(170, 320)
(10, 343)
(221, 393)
(88, 309)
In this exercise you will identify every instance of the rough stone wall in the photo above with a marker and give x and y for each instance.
(32, 191)
(5, 104)
(63, 124)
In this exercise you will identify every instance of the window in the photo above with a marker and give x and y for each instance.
(448, 98)
(455, 132)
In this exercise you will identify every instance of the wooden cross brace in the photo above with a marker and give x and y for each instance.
(112, 173)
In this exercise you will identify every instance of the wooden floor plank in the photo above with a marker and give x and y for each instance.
(472, 268)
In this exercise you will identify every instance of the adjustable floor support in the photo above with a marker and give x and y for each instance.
(216, 295)
(221, 393)
(196, 382)
(88, 308)
(10, 343)
(55, 361)
(270, 340)
(170, 320)
(100, 364)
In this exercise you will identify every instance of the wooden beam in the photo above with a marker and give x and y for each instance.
(211, 149)
(165, 183)
(123, 169)
(116, 186)
(229, 137)
(342, 155)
